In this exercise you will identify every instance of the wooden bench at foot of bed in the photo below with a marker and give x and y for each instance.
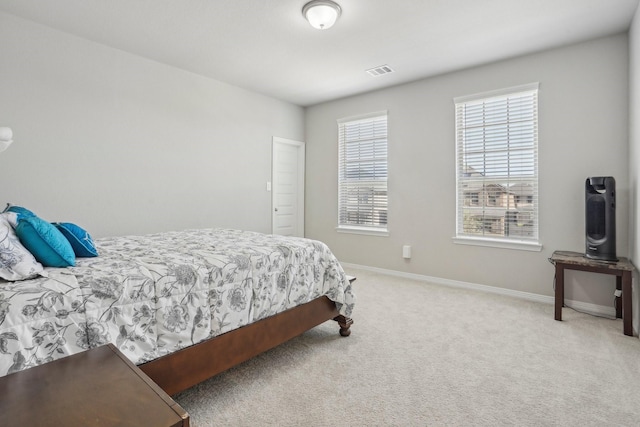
(185, 368)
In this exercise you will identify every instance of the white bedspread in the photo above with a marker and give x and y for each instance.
(152, 295)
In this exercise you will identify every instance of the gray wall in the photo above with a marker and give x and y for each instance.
(120, 144)
(583, 131)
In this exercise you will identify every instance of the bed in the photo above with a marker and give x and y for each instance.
(183, 306)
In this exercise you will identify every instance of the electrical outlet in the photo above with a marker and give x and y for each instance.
(406, 252)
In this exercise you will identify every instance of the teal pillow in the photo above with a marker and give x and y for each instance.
(80, 240)
(45, 242)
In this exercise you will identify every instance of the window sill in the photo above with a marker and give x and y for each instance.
(521, 245)
(363, 230)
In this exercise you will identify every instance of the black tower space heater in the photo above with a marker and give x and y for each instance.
(600, 194)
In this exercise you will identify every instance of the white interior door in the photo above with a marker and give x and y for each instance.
(288, 187)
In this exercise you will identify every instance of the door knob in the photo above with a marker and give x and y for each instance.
(276, 209)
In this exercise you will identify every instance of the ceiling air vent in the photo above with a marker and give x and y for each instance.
(380, 70)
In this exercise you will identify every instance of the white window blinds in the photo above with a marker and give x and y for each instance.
(497, 165)
(362, 172)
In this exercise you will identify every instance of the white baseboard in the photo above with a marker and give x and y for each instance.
(584, 307)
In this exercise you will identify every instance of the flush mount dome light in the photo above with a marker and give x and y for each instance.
(6, 138)
(321, 14)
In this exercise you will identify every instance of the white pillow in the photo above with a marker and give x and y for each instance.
(16, 262)
(11, 217)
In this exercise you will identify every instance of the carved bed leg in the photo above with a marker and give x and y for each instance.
(345, 323)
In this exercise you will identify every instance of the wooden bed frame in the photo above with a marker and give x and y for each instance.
(185, 368)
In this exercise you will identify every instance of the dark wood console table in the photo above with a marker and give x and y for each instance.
(622, 269)
(98, 387)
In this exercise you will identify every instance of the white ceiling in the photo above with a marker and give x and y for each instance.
(267, 46)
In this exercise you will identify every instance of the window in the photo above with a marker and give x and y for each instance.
(497, 168)
(362, 173)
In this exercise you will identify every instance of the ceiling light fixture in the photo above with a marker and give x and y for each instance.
(6, 138)
(321, 14)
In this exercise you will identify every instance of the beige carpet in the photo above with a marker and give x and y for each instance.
(428, 355)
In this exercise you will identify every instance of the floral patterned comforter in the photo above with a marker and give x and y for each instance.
(155, 294)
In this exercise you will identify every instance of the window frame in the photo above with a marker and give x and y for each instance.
(513, 242)
(344, 227)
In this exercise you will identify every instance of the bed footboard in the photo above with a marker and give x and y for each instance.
(187, 367)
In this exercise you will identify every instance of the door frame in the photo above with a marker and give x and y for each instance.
(301, 171)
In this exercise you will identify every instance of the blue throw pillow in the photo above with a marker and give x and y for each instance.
(80, 240)
(45, 242)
